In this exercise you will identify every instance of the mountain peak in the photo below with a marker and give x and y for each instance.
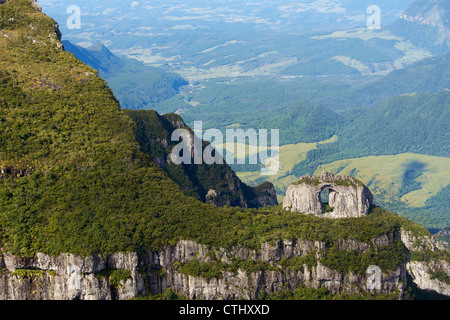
(98, 46)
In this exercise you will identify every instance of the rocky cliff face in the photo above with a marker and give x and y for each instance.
(252, 285)
(425, 272)
(73, 277)
(215, 183)
(348, 197)
(129, 275)
(68, 277)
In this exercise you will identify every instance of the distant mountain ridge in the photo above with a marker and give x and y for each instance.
(134, 84)
(430, 12)
(426, 75)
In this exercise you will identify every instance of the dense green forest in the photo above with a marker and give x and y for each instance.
(435, 214)
(302, 121)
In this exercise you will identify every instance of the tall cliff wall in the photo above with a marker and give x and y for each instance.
(425, 271)
(68, 277)
(129, 275)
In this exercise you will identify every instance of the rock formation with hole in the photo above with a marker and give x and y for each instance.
(348, 197)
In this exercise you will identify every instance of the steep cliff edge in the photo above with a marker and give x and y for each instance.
(428, 267)
(197, 271)
(215, 183)
(276, 267)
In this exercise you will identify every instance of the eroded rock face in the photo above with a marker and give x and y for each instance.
(348, 197)
(36, 5)
(422, 271)
(70, 277)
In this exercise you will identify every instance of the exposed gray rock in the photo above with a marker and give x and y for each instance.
(36, 5)
(212, 197)
(68, 277)
(421, 272)
(348, 197)
(264, 196)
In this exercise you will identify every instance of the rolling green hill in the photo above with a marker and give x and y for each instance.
(413, 185)
(376, 145)
(416, 123)
(75, 178)
(300, 121)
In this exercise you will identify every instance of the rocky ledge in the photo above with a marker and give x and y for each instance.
(282, 265)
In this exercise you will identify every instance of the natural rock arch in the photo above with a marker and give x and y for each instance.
(324, 204)
(348, 197)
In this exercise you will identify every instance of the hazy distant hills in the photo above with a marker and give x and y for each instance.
(134, 84)
(209, 41)
(426, 75)
(426, 23)
(430, 12)
(430, 74)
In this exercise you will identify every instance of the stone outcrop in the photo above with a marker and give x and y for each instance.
(36, 5)
(422, 271)
(69, 277)
(348, 197)
(264, 195)
(212, 197)
(422, 274)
